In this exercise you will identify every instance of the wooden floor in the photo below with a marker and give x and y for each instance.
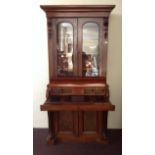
(72, 148)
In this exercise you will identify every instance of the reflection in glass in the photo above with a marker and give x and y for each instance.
(90, 50)
(64, 49)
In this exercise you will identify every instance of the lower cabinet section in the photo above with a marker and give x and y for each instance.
(77, 126)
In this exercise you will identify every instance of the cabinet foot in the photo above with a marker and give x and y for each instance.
(51, 140)
(102, 141)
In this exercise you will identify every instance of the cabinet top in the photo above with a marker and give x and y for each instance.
(77, 10)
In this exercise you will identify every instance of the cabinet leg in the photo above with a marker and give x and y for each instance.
(51, 133)
(103, 128)
(103, 138)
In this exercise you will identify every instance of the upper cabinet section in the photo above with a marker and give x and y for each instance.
(77, 40)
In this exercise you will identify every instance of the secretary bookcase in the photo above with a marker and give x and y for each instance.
(77, 97)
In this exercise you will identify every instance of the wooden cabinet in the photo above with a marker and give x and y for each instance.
(77, 94)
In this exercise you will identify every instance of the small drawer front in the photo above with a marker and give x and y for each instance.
(99, 91)
(61, 91)
(94, 91)
(78, 91)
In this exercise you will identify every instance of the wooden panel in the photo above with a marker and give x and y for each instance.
(89, 121)
(66, 121)
(66, 124)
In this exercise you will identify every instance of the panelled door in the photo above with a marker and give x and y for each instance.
(79, 124)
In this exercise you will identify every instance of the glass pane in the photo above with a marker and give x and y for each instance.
(90, 63)
(64, 49)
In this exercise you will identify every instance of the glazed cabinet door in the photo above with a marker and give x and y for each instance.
(64, 47)
(77, 47)
(91, 47)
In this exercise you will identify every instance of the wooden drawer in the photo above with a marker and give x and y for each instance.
(94, 91)
(67, 91)
(61, 91)
(78, 91)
